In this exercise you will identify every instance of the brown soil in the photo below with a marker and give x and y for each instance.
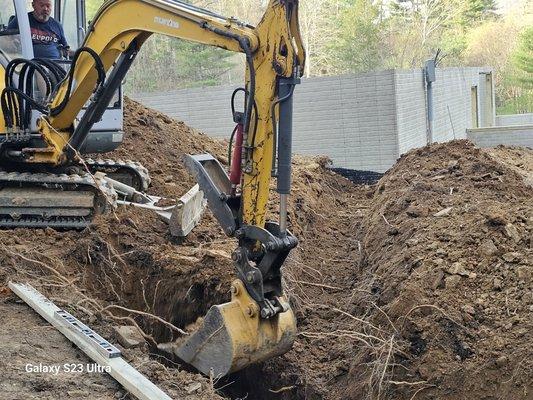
(392, 301)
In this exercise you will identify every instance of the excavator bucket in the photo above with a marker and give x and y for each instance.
(233, 336)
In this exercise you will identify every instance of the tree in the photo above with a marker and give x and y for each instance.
(520, 79)
(356, 46)
(492, 44)
(476, 11)
(173, 61)
(417, 28)
(174, 64)
(523, 59)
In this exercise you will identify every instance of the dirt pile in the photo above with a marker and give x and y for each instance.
(417, 287)
(448, 247)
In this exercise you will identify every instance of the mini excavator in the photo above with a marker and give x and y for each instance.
(51, 110)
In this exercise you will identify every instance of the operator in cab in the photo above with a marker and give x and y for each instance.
(47, 34)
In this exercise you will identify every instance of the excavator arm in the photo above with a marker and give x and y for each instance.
(258, 323)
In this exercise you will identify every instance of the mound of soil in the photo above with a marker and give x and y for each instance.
(448, 247)
(418, 287)
(424, 289)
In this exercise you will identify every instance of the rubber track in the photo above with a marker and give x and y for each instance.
(133, 167)
(105, 195)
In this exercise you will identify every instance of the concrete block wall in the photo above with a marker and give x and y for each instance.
(451, 100)
(453, 105)
(410, 109)
(514, 119)
(206, 109)
(351, 119)
(362, 122)
(348, 118)
(502, 135)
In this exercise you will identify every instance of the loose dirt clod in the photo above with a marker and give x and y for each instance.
(418, 287)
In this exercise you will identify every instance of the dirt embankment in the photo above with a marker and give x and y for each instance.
(417, 287)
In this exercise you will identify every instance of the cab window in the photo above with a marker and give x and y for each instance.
(69, 20)
(10, 44)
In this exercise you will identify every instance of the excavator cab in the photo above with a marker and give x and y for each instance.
(107, 134)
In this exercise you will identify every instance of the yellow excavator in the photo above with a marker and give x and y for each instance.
(49, 113)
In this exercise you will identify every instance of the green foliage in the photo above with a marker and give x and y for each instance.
(91, 6)
(166, 63)
(356, 48)
(523, 59)
(519, 79)
(477, 11)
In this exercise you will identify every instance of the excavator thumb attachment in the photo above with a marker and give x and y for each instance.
(233, 336)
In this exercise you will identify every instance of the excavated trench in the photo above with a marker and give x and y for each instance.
(178, 295)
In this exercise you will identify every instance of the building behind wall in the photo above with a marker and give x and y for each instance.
(363, 122)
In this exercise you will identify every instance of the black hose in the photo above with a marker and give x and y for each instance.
(255, 110)
(244, 43)
(99, 66)
(17, 100)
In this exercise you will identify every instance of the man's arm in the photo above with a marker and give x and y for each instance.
(64, 47)
(62, 38)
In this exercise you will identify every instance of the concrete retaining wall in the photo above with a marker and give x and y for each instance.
(514, 119)
(502, 135)
(363, 122)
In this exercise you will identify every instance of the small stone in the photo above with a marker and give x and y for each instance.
(469, 309)
(411, 242)
(438, 280)
(168, 178)
(452, 281)
(497, 284)
(495, 216)
(488, 247)
(513, 256)
(472, 275)
(128, 336)
(458, 268)
(119, 395)
(512, 233)
(393, 231)
(413, 212)
(525, 273)
(441, 252)
(444, 212)
(438, 261)
(501, 361)
(193, 387)
(452, 164)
